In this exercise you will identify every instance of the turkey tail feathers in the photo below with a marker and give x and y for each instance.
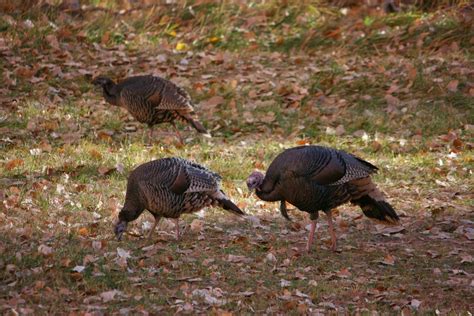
(197, 125)
(379, 210)
(372, 201)
(228, 205)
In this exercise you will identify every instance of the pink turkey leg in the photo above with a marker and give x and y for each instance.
(311, 235)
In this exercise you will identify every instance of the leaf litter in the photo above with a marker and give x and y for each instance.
(65, 156)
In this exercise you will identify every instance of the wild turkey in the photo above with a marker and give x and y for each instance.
(151, 100)
(170, 187)
(316, 178)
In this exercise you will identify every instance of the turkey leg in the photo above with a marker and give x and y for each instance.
(283, 210)
(157, 220)
(177, 133)
(332, 232)
(150, 134)
(311, 235)
(176, 222)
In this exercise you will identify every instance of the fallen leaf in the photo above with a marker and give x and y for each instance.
(95, 154)
(237, 259)
(97, 245)
(270, 257)
(340, 130)
(415, 303)
(254, 220)
(301, 294)
(53, 41)
(70, 138)
(268, 118)
(344, 273)
(78, 269)
(391, 100)
(12, 164)
(393, 88)
(189, 279)
(376, 146)
(290, 305)
(304, 141)
(83, 231)
(122, 253)
(412, 72)
(433, 254)
(181, 46)
(453, 85)
(45, 250)
(120, 168)
(106, 135)
(327, 305)
(469, 233)
(246, 293)
(389, 260)
(284, 283)
(330, 130)
(11, 268)
(76, 276)
(213, 101)
(210, 296)
(388, 230)
(302, 309)
(109, 295)
(103, 170)
(466, 258)
(197, 225)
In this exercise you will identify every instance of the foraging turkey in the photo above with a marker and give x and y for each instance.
(316, 178)
(170, 187)
(151, 100)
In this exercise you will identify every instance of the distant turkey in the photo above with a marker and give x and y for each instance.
(151, 100)
(316, 178)
(170, 187)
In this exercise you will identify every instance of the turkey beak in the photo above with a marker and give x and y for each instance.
(250, 186)
(97, 82)
(119, 236)
(120, 229)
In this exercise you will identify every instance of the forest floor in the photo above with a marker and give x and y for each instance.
(396, 90)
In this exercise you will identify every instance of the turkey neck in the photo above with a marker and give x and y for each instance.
(268, 191)
(269, 196)
(111, 93)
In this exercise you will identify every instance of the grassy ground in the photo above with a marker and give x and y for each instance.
(396, 90)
